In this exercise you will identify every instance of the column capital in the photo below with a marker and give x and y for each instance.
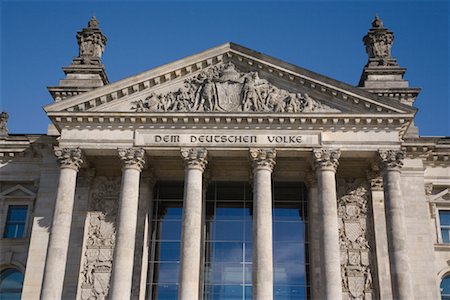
(195, 158)
(391, 160)
(326, 159)
(71, 158)
(133, 158)
(263, 158)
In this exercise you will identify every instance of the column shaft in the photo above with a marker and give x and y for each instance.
(400, 271)
(315, 231)
(191, 248)
(326, 163)
(262, 235)
(123, 261)
(59, 237)
(55, 266)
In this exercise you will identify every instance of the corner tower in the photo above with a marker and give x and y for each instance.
(382, 75)
(86, 72)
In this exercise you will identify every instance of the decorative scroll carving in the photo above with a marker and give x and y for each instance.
(69, 157)
(428, 188)
(91, 42)
(132, 157)
(195, 158)
(100, 239)
(223, 88)
(356, 264)
(325, 158)
(391, 159)
(263, 158)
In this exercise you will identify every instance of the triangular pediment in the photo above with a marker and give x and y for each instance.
(230, 79)
(17, 191)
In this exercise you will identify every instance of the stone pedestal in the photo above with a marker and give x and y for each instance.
(391, 163)
(133, 162)
(263, 163)
(195, 163)
(70, 161)
(326, 163)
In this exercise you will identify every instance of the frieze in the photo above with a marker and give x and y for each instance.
(222, 88)
(100, 239)
(356, 264)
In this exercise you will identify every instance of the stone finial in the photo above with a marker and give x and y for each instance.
(263, 158)
(3, 123)
(71, 158)
(132, 157)
(195, 158)
(326, 159)
(91, 42)
(391, 159)
(378, 42)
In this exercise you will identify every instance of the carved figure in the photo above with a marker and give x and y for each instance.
(224, 88)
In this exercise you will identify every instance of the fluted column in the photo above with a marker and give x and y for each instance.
(195, 164)
(133, 160)
(263, 161)
(391, 163)
(326, 163)
(70, 161)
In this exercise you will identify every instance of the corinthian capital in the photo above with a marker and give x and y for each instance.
(71, 158)
(263, 158)
(195, 158)
(391, 159)
(326, 159)
(132, 157)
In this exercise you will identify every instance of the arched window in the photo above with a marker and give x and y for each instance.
(445, 287)
(11, 282)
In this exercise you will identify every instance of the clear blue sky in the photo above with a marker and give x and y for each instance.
(38, 38)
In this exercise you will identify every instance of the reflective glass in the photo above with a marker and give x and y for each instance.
(444, 217)
(170, 229)
(11, 282)
(15, 221)
(226, 252)
(165, 291)
(168, 251)
(445, 288)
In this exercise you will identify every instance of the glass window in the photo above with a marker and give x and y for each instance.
(15, 221)
(445, 288)
(164, 256)
(444, 218)
(11, 282)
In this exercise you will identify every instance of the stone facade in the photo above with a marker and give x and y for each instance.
(375, 188)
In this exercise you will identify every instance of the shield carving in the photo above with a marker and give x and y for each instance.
(101, 283)
(352, 230)
(356, 286)
(354, 257)
(229, 95)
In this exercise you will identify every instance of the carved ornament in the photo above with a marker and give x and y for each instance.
(263, 158)
(356, 263)
(223, 88)
(71, 158)
(391, 159)
(195, 158)
(91, 42)
(132, 157)
(326, 159)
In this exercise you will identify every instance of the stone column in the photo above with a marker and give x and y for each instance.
(326, 163)
(195, 164)
(315, 231)
(263, 161)
(391, 163)
(70, 161)
(133, 161)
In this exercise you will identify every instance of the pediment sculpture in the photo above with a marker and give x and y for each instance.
(225, 89)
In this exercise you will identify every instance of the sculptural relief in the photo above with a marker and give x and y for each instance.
(223, 88)
(354, 240)
(100, 239)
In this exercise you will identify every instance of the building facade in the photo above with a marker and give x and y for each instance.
(228, 174)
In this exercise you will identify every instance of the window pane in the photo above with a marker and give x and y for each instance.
(11, 282)
(445, 235)
(288, 231)
(228, 230)
(169, 230)
(165, 291)
(444, 216)
(167, 272)
(169, 251)
(445, 288)
(15, 221)
(17, 213)
(226, 252)
(285, 253)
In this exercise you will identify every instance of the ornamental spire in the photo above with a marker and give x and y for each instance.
(91, 43)
(378, 42)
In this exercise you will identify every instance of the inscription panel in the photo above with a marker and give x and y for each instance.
(230, 138)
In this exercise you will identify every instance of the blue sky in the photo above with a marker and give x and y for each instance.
(38, 38)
